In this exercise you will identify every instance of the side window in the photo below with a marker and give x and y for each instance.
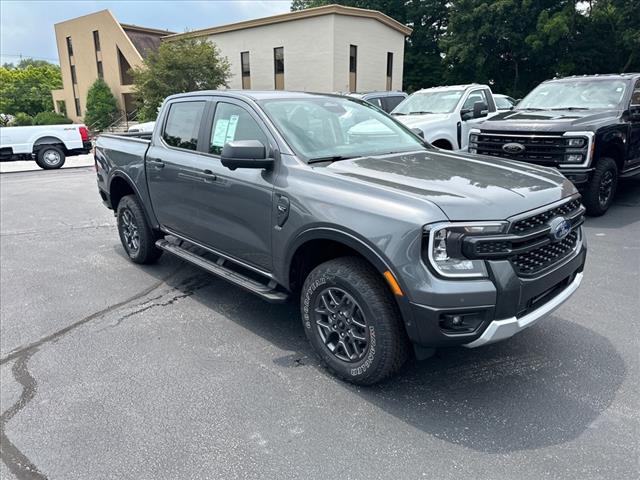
(183, 124)
(377, 101)
(232, 122)
(475, 96)
(393, 101)
(635, 95)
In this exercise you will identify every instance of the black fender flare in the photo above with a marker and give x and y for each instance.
(123, 176)
(360, 245)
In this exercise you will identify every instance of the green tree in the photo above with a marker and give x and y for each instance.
(176, 67)
(102, 108)
(51, 118)
(21, 119)
(27, 87)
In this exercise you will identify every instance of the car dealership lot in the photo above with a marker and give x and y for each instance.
(112, 370)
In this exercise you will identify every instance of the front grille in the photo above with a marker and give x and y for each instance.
(534, 261)
(529, 244)
(531, 223)
(541, 149)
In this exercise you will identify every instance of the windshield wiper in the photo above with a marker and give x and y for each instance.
(419, 113)
(397, 113)
(569, 108)
(334, 158)
(531, 108)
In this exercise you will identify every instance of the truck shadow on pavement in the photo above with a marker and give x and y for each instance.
(541, 388)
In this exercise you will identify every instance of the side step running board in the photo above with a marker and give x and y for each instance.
(268, 292)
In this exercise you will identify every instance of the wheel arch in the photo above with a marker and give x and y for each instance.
(345, 243)
(442, 143)
(49, 140)
(613, 148)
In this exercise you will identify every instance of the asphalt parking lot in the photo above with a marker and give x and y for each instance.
(115, 371)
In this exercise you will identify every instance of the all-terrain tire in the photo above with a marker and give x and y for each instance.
(388, 346)
(605, 176)
(137, 237)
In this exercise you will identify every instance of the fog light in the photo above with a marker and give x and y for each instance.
(460, 322)
(573, 158)
(473, 150)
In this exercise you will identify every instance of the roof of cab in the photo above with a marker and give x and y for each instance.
(252, 94)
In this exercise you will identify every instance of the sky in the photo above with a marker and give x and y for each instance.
(26, 26)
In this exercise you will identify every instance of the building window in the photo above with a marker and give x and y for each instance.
(125, 75)
(69, 46)
(78, 111)
(74, 78)
(353, 67)
(389, 70)
(96, 40)
(61, 107)
(100, 71)
(246, 70)
(278, 67)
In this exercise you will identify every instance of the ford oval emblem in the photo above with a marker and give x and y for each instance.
(513, 148)
(560, 228)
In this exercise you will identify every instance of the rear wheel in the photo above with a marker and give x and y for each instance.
(602, 188)
(137, 237)
(352, 321)
(50, 157)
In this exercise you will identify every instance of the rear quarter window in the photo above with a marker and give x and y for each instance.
(183, 124)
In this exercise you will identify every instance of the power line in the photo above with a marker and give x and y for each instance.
(21, 56)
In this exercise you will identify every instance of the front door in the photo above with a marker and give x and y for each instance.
(236, 205)
(633, 155)
(466, 125)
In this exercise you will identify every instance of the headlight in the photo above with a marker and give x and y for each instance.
(443, 245)
(473, 137)
(573, 158)
(576, 142)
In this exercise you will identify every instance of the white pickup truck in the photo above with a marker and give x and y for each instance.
(49, 145)
(445, 115)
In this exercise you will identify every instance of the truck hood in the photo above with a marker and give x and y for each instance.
(420, 121)
(463, 186)
(550, 120)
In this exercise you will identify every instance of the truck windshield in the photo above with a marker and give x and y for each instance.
(442, 101)
(333, 128)
(582, 94)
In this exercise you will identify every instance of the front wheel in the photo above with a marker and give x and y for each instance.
(601, 189)
(50, 157)
(136, 235)
(352, 321)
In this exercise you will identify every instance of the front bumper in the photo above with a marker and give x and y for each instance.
(512, 304)
(578, 176)
(503, 329)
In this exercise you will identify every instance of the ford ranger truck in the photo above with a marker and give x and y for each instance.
(391, 246)
(588, 127)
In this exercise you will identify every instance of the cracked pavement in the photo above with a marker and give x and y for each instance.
(110, 370)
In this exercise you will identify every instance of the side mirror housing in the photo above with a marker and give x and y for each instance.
(480, 109)
(634, 112)
(245, 154)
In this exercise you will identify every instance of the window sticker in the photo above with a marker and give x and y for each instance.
(231, 131)
(220, 133)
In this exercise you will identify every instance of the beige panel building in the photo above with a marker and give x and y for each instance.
(324, 49)
(97, 45)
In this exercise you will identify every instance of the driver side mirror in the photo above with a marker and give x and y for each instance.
(480, 109)
(245, 154)
(634, 112)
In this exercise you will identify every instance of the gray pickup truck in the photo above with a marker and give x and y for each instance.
(392, 246)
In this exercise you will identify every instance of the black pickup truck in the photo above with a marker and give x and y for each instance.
(588, 127)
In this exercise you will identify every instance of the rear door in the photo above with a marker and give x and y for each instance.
(173, 167)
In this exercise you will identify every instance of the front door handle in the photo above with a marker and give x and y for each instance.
(209, 174)
(156, 162)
